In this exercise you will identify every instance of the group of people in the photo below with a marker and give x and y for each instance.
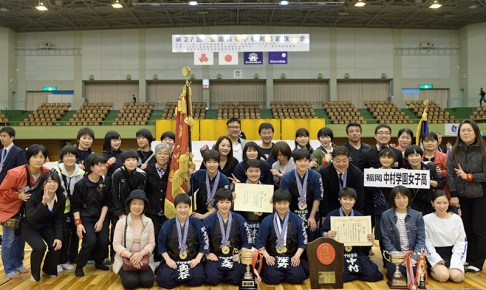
(86, 192)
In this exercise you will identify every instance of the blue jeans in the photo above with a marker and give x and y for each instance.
(12, 250)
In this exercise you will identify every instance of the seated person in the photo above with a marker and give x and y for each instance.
(228, 233)
(402, 228)
(282, 239)
(446, 241)
(182, 242)
(206, 182)
(357, 265)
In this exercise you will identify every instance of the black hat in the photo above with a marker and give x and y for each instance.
(137, 193)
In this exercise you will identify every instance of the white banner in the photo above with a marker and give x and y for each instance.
(228, 58)
(203, 58)
(240, 42)
(393, 177)
(451, 129)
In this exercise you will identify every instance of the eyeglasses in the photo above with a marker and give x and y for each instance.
(383, 133)
(234, 127)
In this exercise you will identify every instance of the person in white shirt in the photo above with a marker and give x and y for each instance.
(445, 241)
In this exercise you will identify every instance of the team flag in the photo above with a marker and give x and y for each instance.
(423, 126)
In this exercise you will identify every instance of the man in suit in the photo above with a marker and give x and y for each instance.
(355, 146)
(338, 175)
(369, 158)
(11, 155)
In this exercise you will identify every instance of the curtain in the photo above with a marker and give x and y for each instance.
(163, 92)
(438, 96)
(35, 100)
(233, 91)
(358, 92)
(118, 93)
(315, 92)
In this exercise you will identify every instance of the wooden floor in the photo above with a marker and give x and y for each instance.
(97, 279)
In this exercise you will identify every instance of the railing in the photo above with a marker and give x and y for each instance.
(12, 105)
(465, 102)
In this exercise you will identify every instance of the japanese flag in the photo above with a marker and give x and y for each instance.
(228, 58)
(203, 58)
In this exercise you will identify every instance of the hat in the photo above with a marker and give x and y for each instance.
(137, 193)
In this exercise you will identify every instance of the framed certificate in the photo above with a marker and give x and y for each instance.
(352, 230)
(253, 197)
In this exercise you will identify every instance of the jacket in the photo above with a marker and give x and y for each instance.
(414, 222)
(117, 164)
(15, 157)
(87, 200)
(319, 155)
(122, 183)
(143, 156)
(155, 189)
(36, 213)
(370, 158)
(68, 182)
(354, 154)
(472, 161)
(440, 159)
(15, 180)
(147, 240)
(421, 197)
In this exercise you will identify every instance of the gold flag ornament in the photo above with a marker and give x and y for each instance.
(181, 154)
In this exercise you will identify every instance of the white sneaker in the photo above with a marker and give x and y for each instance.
(67, 266)
(59, 269)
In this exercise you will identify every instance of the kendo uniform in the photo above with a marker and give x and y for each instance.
(357, 264)
(168, 242)
(225, 269)
(266, 176)
(314, 192)
(198, 183)
(282, 270)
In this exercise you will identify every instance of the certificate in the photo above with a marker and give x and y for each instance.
(352, 230)
(253, 197)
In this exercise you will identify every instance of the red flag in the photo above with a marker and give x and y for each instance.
(181, 153)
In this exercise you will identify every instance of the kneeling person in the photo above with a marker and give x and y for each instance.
(357, 264)
(282, 239)
(227, 231)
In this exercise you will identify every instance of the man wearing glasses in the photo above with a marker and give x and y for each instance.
(233, 126)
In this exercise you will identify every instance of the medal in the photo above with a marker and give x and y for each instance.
(211, 191)
(281, 232)
(348, 248)
(183, 255)
(302, 189)
(284, 250)
(225, 250)
(225, 232)
(279, 251)
(258, 213)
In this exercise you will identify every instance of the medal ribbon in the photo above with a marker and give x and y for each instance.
(225, 233)
(182, 237)
(211, 191)
(302, 187)
(341, 213)
(281, 230)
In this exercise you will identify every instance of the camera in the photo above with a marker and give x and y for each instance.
(27, 189)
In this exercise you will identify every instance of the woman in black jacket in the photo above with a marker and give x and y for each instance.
(155, 188)
(44, 218)
(112, 151)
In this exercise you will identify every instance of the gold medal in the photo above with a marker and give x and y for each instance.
(348, 248)
(258, 213)
(303, 206)
(284, 250)
(183, 255)
(225, 250)
(209, 207)
(279, 251)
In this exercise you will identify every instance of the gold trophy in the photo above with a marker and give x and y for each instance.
(397, 281)
(248, 283)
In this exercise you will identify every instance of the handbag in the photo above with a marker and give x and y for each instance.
(13, 223)
(127, 264)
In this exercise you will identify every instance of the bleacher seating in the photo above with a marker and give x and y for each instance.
(386, 112)
(479, 114)
(436, 114)
(3, 119)
(292, 110)
(198, 110)
(47, 114)
(90, 114)
(242, 110)
(342, 112)
(134, 114)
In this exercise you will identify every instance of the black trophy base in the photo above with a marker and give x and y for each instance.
(247, 284)
(397, 283)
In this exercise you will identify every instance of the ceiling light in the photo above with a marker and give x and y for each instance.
(283, 3)
(193, 3)
(435, 5)
(117, 4)
(360, 3)
(41, 7)
(474, 6)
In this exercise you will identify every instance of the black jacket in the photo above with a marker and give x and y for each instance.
(143, 156)
(122, 183)
(36, 213)
(370, 158)
(354, 154)
(87, 200)
(117, 164)
(15, 158)
(421, 197)
(155, 188)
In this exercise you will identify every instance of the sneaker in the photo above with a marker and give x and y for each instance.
(466, 264)
(90, 262)
(79, 272)
(107, 262)
(102, 267)
(13, 275)
(472, 269)
(22, 269)
(67, 266)
(50, 276)
(59, 268)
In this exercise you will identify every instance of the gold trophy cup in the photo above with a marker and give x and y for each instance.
(246, 257)
(397, 281)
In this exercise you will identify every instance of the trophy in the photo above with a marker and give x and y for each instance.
(422, 269)
(248, 283)
(397, 281)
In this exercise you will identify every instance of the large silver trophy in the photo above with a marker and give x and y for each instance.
(248, 282)
(397, 281)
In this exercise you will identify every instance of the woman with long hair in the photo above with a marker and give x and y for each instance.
(251, 151)
(227, 162)
(466, 174)
(302, 140)
(112, 151)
